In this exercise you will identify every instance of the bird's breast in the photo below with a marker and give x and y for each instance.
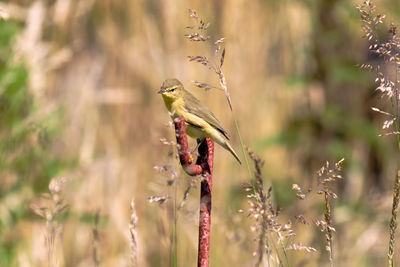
(195, 126)
(195, 132)
(178, 108)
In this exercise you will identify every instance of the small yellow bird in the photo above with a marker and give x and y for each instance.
(200, 121)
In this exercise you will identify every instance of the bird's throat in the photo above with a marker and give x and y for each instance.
(168, 102)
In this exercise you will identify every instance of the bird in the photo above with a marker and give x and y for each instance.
(200, 121)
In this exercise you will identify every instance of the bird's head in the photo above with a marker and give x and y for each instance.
(171, 88)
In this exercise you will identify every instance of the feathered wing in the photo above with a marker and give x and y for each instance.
(194, 106)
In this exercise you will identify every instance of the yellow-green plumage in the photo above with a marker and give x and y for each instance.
(200, 121)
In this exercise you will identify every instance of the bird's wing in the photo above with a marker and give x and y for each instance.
(194, 106)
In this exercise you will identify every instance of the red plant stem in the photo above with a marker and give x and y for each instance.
(204, 167)
(206, 151)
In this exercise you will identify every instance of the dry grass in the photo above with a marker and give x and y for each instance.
(386, 70)
(49, 207)
(134, 237)
(101, 62)
(274, 238)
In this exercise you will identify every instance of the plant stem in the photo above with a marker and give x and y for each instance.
(242, 146)
(175, 227)
(203, 167)
(396, 185)
(393, 220)
(328, 220)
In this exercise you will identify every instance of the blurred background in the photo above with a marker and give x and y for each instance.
(78, 83)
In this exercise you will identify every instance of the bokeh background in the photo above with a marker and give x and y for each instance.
(78, 83)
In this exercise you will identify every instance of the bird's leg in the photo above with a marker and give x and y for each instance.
(199, 142)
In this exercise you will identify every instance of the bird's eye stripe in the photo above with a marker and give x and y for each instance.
(172, 88)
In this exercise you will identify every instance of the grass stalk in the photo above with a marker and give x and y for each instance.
(393, 220)
(328, 220)
(396, 185)
(175, 227)
(389, 54)
(134, 235)
(96, 239)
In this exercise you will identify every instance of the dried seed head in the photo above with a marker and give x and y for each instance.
(158, 199)
(56, 185)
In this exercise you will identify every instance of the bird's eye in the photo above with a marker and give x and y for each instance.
(172, 89)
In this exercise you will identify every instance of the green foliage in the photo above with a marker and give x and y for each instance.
(282, 195)
(26, 162)
(305, 129)
(24, 141)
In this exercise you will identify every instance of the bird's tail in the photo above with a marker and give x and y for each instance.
(229, 147)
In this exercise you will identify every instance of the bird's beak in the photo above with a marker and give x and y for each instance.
(162, 90)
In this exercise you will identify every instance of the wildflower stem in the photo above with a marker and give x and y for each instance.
(285, 253)
(395, 106)
(328, 220)
(242, 146)
(393, 220)
(396, 185)
(175, 228)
